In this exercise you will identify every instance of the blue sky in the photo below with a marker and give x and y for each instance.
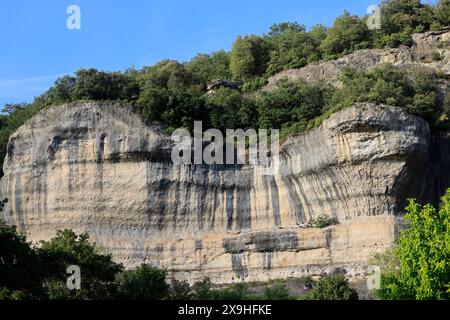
(36, 47)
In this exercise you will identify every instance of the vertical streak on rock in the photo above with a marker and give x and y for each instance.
(295, 204)
(275, 201)
(306, 214)
(201, 189)
(229, 208)
(243, 210)
(20, 216)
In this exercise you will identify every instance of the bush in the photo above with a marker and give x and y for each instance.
(229, 109)
(346, 35)
(324, 221)
(278, 291)
(180, 290)
(332, 288)
(291, 103)
(249, 57)
(436, 56)
(423, 251)
(98, 270)
(20, 268)
(143, 283)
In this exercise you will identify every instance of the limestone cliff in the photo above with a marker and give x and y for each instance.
(420, 54)
(97, 168)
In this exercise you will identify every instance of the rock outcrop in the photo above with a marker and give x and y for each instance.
(97, 168)
(425, 46)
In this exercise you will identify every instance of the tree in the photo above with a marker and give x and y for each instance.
(400, 15)
(230, 109)
(98, 270)
(347, 34)
(334, 287)
(423, 251)
(97, 85)
(413, 89)
(143, 283)
(61, 91)
(169, 95)
(206, 68)
(442, 13)
(291, 47)
(289, 103)
(20, 270)
(248, 57)
(180, 290)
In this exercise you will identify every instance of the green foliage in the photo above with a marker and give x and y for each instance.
(169, 95)
(332, 288)
(20, 271)
(230, 109)
(208, 67)
(98, 270)
(96, 85)
(180, 290)
(291, 103)
(254, 85)
(347, 34)
(423, 251)
(323, 221)
(387, 261)
(7, 294)
(292, 47)
(143, 283)
(248, 57)
(442, 13)
(202, 290)
(436, 56)
(414, 90)
(234, 292)
(400, 15)
(278, 291)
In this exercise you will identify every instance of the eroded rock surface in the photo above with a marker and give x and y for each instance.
(97, 168)
(420, 54)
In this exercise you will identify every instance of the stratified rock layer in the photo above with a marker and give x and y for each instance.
(98, 168)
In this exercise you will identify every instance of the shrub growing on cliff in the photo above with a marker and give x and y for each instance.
(423, 252)
(230, 109)
(291, 103)
(323, 221)
(414, 89)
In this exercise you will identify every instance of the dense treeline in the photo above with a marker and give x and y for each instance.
(175, 94)
(28, 271)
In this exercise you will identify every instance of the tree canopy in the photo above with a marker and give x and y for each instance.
(423, 253)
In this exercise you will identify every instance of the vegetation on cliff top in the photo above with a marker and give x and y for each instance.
(174, 93)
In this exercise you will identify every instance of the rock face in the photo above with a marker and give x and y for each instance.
(420, 54)
(98, 168)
